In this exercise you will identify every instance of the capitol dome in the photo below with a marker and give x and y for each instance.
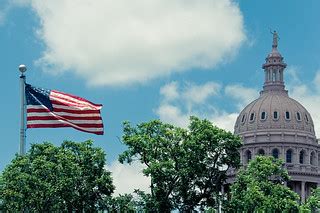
(279, 126)
(275, 111)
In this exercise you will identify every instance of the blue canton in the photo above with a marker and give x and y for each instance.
(38, 96)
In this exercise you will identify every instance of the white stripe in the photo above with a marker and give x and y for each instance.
(36, 107)
(77, 105)
(63, 114)
(72, 125)
(57, 106)
(57, 95)
(63, 121)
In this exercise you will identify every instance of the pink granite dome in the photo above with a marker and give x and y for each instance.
(274, 110)
(279, 126)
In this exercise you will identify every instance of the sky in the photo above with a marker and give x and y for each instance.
(152, 59)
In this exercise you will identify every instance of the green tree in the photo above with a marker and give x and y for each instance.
(68, 178)
(121, 203)
(187, 166)
(139, 201)
(260, 188)
(313, 202)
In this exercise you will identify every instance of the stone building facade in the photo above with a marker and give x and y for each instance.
(279, 126)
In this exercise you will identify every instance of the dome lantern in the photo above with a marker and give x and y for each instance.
(273, 68)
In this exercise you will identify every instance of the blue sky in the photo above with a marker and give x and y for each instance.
(144, 60)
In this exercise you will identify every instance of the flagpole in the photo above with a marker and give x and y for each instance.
(22, 69)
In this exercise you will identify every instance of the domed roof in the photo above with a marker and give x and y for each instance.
(274, 111)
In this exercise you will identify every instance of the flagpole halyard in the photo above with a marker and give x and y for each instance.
(22, 69)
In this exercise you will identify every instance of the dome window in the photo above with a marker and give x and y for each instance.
(263, 116)
(251, 117)
(248, 156)
(307, 119)
(243, 119)
(275, 115)
(289, 156)
(275, 153)
(261, 152)
(298, 116)
(301, 157)
(287, 115)
(313, 158)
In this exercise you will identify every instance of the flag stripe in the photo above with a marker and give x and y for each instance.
(53, 109)
(71, 119)
(58, 121)
(66, 115)
(31, 109)
(73, 98)
(98, 131)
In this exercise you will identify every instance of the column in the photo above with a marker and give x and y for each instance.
(303, 191)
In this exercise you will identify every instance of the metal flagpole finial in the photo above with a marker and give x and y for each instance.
(22, 68)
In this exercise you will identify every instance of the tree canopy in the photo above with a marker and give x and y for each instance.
(187, 166)
(68, 178)
(260, 188)
(312, 205)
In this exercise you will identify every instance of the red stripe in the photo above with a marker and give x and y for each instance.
(79, 125)
(38, 110)
(65, 110)
(61, 125)
(77, 111)
(70, 104)
(65, 99)
(76, 97)
(43, 118)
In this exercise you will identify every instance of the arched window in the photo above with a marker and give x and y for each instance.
(263, 115)
(301, 157)
(289, 156)
(312, 158)
(307, 119)
(261, 152)
(243, 119)
(251, 117)
(275, 153)
(248, 156)
(287, 115)
(275, 115)
(298, 116)
(274, 78)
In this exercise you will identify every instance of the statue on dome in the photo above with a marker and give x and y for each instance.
(275, 38)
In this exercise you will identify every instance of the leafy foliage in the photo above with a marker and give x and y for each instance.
(187, 166)
(121, 203)
(313, 202)
(138, 202)
(259, 188)
(57, 179)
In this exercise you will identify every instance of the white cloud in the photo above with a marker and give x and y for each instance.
(192, 99)
(197, 94)
(308, 94)
(316, 81)
(173, 114)
(169, 91)
(224, 120)
(127, 177)
(130, 41)
(243, 95)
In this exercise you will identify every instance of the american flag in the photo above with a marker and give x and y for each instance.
(54, 109)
